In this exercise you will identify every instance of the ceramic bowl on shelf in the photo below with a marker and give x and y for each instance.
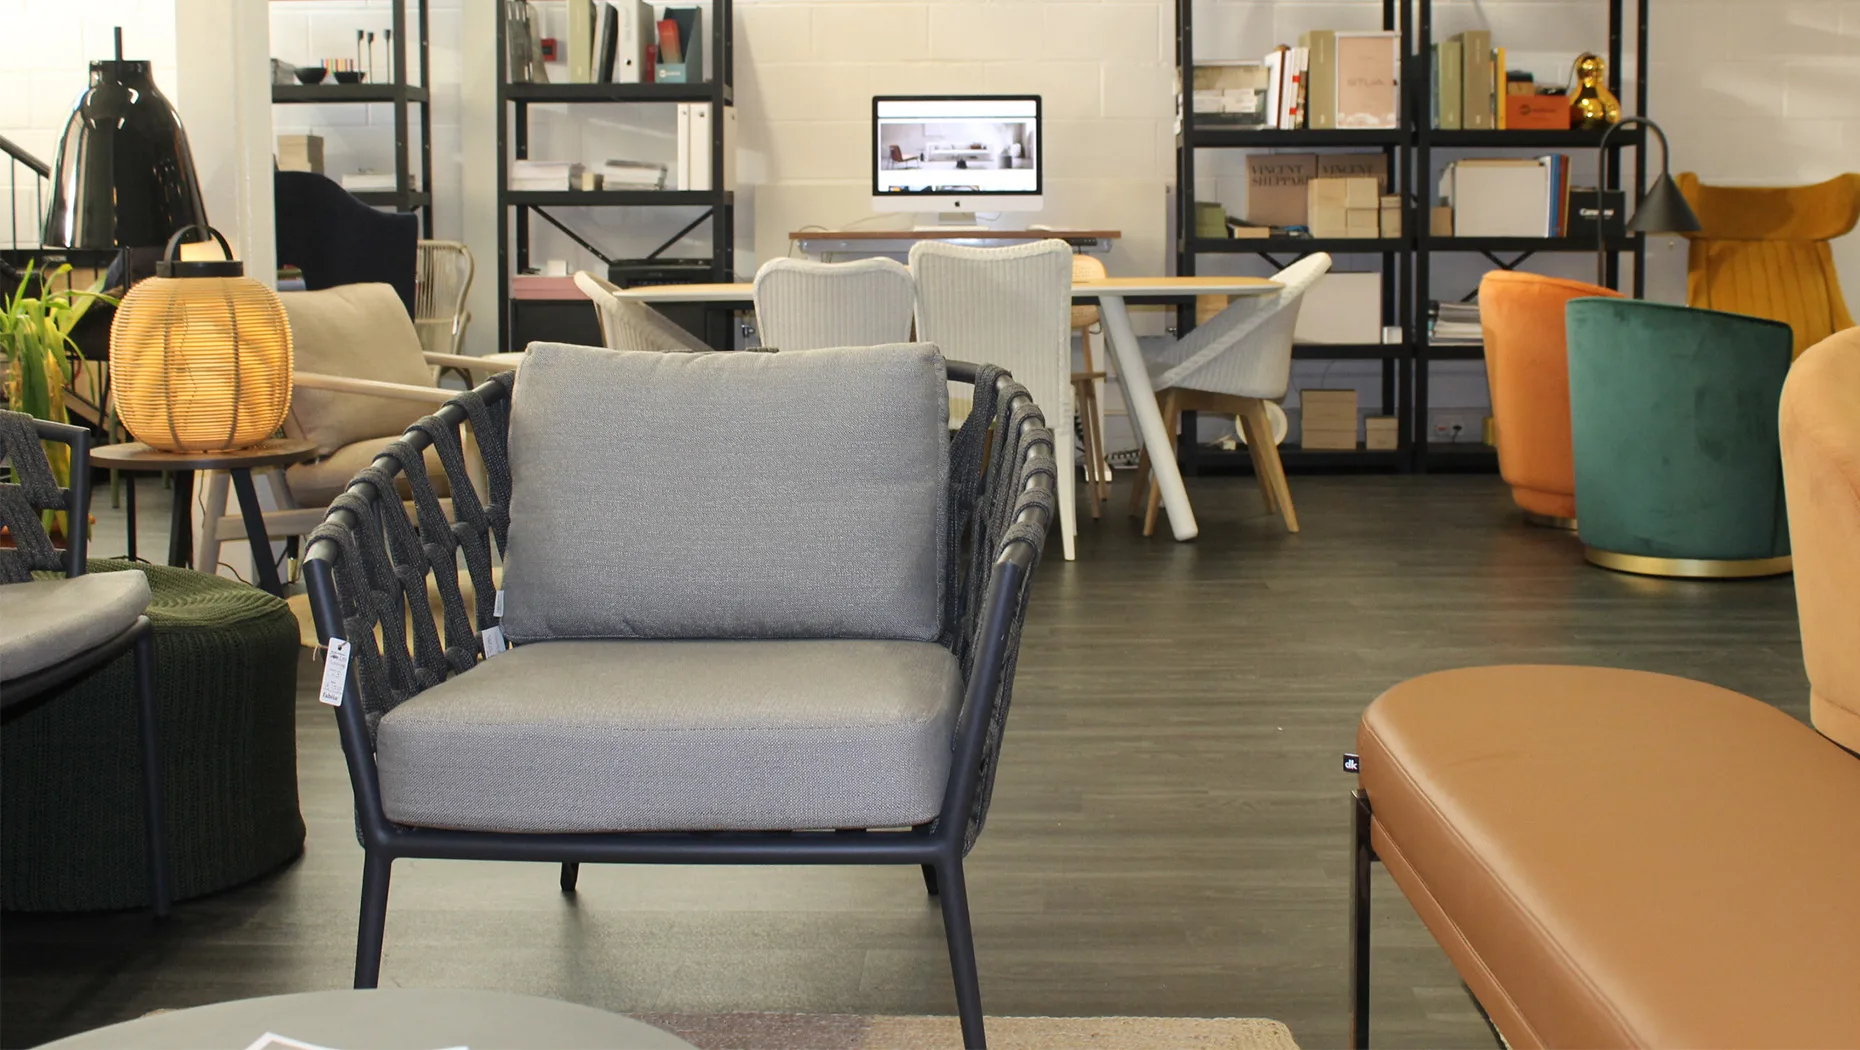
(349, 76)
(311, 74)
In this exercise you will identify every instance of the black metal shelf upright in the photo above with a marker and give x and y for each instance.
(401, 93)
(1394, 254)
(1406, 260)
(515, 207)
(1428, 139)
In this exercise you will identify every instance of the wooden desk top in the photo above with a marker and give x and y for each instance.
(1109, 286)
(273, 452)
(953, 234)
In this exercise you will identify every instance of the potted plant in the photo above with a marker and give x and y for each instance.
(35, 337)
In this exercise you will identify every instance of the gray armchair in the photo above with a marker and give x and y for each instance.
(56, 631)
(765, 610)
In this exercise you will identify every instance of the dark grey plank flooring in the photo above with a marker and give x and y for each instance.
(1169, 833)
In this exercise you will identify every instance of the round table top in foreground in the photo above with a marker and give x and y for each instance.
(385, 1019)
(272, 452)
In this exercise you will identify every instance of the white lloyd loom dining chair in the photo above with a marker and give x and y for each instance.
(806, 305)
(1234, 363)
(627, 325)
(1010, 307)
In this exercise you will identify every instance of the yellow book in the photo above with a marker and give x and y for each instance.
(1499, 88)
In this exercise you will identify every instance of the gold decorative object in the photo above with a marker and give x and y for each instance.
(200, 355)
(1591, 104)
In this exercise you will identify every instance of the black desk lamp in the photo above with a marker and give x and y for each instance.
(1662, 210)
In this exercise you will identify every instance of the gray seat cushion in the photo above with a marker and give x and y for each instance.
(623, 735)
(46, 622)
(719, 495)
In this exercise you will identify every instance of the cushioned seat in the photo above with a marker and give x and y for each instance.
(45, 622)
(321, 481)
(623, 735)
(1619, 858)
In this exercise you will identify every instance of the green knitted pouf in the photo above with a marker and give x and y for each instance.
(70, 774)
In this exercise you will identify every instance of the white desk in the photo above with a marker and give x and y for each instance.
(896, 244)
(1132, 374)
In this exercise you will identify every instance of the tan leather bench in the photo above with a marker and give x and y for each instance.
(1617, 858)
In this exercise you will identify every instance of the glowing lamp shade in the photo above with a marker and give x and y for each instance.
(200, 355)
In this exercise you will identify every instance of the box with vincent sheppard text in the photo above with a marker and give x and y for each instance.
(1277, 184)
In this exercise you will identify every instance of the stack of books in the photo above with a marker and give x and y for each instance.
(1474, 91)
(1332, 79)
(545, 175)
(632, 175)
(1454, 323)
(372, 181)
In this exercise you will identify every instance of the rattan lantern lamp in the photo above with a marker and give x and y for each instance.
(200, 355)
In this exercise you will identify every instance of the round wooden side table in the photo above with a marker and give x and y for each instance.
(136, 457)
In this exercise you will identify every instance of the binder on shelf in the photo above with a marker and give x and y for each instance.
(581, 41)
(1321, 80)
(636, 43)
(682, 171)
(1448, 88)
(607, 44)
(681, 51)
(699, 151)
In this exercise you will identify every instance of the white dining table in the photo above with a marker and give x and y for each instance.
(1113, 295)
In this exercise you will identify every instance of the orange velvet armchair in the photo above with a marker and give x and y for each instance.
(1764, 252)
(1820, 425)
(1527, 365)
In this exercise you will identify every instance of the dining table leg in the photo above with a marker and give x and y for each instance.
(1140, 400)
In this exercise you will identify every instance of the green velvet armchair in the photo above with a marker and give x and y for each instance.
(1673, 416)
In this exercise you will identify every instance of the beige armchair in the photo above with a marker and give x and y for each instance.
(360, 380)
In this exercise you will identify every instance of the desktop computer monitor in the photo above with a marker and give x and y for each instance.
(956, 154)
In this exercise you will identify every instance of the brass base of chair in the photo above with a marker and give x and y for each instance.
(1689, 568)
(1550, 521)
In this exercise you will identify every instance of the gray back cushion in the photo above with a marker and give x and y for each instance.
(727, 495)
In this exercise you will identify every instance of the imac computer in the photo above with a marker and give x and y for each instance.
(956, 155)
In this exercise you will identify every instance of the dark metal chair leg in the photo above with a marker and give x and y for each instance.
(153, 807)
(1361, 856)
(955, 899)
(368, 937)
(571, 873)
(930, 879)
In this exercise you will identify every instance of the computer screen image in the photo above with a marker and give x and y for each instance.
(963, 152)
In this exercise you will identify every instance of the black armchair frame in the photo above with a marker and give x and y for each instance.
(1004, 495)
(33, 491)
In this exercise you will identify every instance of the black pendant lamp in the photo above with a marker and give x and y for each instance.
(125, 177)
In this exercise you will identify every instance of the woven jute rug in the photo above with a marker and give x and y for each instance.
(752, 1031)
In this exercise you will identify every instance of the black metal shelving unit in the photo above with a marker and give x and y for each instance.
(1406, 263)
(1393, 253)
(516, 208)
(404, 95)
(1429, 139)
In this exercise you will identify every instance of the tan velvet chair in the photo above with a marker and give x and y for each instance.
(1764, 252)
(359, 380)
(1820, 426)
(1527, 367)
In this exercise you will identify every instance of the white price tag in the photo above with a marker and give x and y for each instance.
(335, 672)
(494, 641)
(497, 604)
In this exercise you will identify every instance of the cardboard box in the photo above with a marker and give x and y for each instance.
(1388, 219)
(1355, 165)
(1328, 440)
(1329, 415)
(1379, 433)
(1440, 221)
(1276, 187)
(1341, 308)
(1537, 112)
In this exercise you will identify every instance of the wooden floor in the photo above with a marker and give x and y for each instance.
(1170, 827)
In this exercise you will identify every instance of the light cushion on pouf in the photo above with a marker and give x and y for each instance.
(45, 622)
(674, 735)
(720, 495)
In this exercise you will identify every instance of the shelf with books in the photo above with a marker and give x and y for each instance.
(1297, 245)
(1204, 136)
(1526, 244)
(1350, 351)
(704, 91)
(404, 88)
(337, 94)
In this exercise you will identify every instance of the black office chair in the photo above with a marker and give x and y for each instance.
(335, 239)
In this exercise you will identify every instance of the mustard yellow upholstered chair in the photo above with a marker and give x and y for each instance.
(1764, 252)
(1820, 425)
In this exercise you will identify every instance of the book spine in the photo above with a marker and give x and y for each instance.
(1499, 88)
(1449, 90)
(580, 41)
(683, 171)
(700, 146)
(1321, 81)
(1476, 81)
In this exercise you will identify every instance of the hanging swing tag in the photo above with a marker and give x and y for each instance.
(494, 641)
(335, 672)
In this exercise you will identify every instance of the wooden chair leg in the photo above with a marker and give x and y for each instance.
(1256, 413)
(1259, 464)
(1172, 417)
(1096, 483)
(1140, 481)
